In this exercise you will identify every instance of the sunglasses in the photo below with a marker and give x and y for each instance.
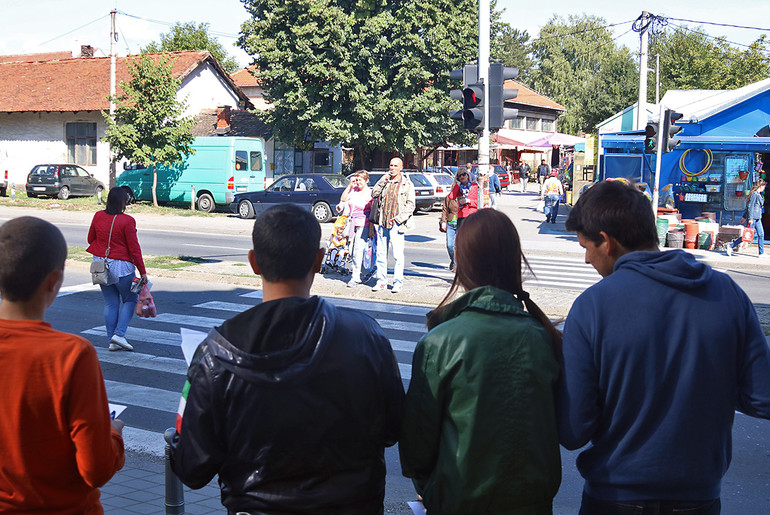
(462, 174)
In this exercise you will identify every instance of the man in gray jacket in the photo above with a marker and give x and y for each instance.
(396, 200)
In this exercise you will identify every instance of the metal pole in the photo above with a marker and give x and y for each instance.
(657, 78)
(113, 35)
(658, 156)
(484, 30)
(174, 490)
(641, 112)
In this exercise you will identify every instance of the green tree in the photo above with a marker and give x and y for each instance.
(578, 64)
(690, 59)
(148, 126)
(369, 73)
(189, 36)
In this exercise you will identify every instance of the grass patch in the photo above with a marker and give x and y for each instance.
(90, 204)
(164, 262)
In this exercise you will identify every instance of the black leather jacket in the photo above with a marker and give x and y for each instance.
(294, 417)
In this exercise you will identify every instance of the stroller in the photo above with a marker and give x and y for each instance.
(338, 258)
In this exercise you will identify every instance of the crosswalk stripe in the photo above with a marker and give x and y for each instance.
(142, 396)
(144, 335)
(403, 345)
(76, 288)
(145, 361)
(364, 305)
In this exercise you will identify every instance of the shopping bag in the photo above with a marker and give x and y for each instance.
(145, 307)
(748, 234)
(368, 252)
(100, 272)
(541, 206)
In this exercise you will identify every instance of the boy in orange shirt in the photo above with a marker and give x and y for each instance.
(57, 443)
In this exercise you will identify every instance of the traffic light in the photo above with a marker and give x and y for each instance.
(472, 96)
(651, 138)
(498, 94)
(670, 129)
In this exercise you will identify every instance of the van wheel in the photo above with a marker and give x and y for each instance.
(322, 212)
(206, 203)
(245, 209)
(131, 198)
(64, 193)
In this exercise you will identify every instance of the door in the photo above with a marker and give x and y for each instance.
(306, 191)
(86, 182)
(277, 193)
(69, 177)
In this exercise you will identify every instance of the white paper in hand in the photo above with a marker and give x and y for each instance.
(190, 341)
(417, 507)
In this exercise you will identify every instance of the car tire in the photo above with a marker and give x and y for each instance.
(64, 193)
(425, 209)
(31, 195)
(245, 209)
(131, 198)
(205, 203)
(322, 212)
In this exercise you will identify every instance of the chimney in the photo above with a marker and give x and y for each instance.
(223, 120)
(86, 51)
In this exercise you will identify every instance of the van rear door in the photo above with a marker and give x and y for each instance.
(249, 173)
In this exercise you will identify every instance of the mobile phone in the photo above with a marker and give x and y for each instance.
(112, 415)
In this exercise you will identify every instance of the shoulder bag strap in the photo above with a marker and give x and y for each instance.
(107, 252)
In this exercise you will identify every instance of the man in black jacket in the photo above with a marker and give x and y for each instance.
(293, 401)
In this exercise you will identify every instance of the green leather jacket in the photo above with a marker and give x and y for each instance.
(479, 431)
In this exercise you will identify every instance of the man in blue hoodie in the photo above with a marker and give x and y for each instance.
(658, 355)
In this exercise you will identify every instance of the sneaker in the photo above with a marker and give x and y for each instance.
(729, 250)
(115, 346)
(396, 288)
(121, 341)
(380, 287)
(353, 284)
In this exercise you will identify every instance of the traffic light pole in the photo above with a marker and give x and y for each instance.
(658, 157)
(484, 29)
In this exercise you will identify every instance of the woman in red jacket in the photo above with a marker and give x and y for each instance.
(466, 192)
(112, 236)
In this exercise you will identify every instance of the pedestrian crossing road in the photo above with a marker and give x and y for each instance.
(149, 380)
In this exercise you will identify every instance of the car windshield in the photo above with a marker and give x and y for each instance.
(419, 180)
(442, 179)
(337, 181)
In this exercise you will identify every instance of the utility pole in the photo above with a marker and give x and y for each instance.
(641, 112)
(658, 156)
(484, 29)
(113, 37)
(657, 78)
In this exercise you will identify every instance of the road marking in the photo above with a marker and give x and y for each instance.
(143, 335)
(403, 345)
(215, 247)
(145, 361)
(189, 320)
(143, 396)
(76, 288)
(363, 305)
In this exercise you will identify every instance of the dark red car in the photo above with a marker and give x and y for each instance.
(505, 178)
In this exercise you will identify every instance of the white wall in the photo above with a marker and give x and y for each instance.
(204, 88)
(28, 139)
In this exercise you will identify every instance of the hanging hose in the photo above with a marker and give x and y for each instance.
(688, 173)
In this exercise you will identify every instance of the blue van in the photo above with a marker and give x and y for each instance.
(220, 167)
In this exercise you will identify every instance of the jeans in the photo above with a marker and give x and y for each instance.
(451, 232)
(523, 182)
(119, 305)
(594, 506)
(360, 239)
(760, 235)
(493, 199)
(551, 208)
(395, 237)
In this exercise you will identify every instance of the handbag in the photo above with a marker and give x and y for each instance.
(748, 234)
(374, 211)
(145, 306)
(100, 269)
(541, 206)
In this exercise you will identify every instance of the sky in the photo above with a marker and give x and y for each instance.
(56, 25)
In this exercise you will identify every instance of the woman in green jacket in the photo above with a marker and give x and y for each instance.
(479, 431)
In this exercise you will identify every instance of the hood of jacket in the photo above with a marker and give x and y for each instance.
(484, 298)
(675, 268)
(280, 352)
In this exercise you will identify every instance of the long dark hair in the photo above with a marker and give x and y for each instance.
(757, 184)
(116, 201)
(488, 253)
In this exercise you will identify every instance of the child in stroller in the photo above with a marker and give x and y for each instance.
(337, 250)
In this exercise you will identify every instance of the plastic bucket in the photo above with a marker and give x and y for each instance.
(674, 239)
(704, 240)
(662, 226)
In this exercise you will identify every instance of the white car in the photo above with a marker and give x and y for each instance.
(442, 183)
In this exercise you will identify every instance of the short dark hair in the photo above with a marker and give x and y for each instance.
(286, 240)
(618, 209)
(30, 249)
(116, 201)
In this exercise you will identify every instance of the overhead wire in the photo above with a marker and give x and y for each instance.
(71, 31)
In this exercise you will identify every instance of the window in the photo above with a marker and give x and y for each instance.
(256, 161)
(547, 125)
(517, 123)
(322, 161)
(240, 160)
(532, 124)
(285, 184)
(81, 143)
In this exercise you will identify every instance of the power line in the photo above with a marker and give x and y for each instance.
(169, 24)
(592, 29)
(721, 24)
(716, 38)
(70, 32)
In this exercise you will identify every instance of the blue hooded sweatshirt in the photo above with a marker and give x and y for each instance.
(657, 356)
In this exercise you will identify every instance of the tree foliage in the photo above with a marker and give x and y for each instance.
(690, 59)
(148, 126)
(368, 73)
(189, 36)
(578, 64)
